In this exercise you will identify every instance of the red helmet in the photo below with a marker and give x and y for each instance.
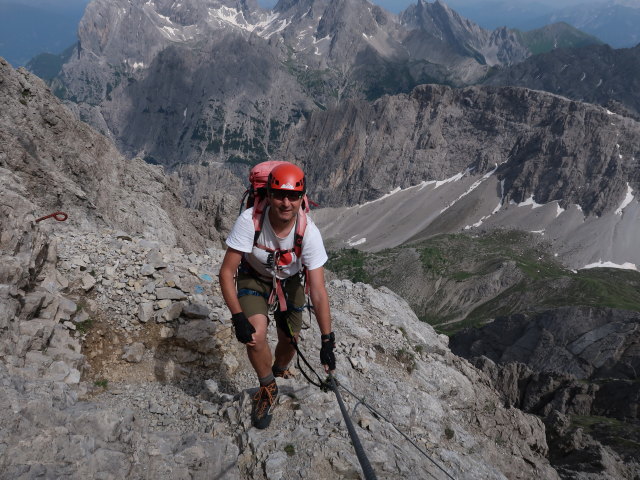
(287, 176)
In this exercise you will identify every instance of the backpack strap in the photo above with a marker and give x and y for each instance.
(259, 214)
(298, 236)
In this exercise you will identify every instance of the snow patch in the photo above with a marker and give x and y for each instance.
(530, 201)
(559, 210)
(357, 242)
(425, 183)
(455, 178)
(392, 192)
(541, 232)
(137, 65)
(328, 37)
(601, 264)
(627, 200)
(171, 32)
(475, 185)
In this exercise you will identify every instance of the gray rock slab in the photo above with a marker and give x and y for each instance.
(168, 293)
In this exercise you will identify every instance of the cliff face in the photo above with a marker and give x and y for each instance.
(57, 163)
(577, 368)
(543, 146)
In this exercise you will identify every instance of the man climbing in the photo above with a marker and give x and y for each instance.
(270, 254)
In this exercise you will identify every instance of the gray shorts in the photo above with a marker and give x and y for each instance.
(253, 294)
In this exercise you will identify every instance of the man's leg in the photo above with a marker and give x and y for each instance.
(260, 354)
(289, 323)
(284, 350)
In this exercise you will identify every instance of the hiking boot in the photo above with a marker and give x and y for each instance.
(263, 402)
(282, 373)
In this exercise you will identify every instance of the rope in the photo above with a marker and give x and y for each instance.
(378, 414)
(368, 472)
(59, 216)
(324, 385)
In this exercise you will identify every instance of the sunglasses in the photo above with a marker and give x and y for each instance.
(282, 194)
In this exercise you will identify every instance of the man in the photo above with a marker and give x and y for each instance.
(268, 268)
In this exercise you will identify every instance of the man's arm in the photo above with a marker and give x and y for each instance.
(320, 300)
(227, 282)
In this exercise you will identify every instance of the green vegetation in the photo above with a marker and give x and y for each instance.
(84, 327)
(449, 433)
(481, 277)
(350, 264)
(406, 358)
(623, 437)
(102, 383)
(290, 450)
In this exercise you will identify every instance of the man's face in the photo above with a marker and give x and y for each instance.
(285, 204)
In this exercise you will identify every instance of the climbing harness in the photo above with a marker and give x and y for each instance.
(59, 216)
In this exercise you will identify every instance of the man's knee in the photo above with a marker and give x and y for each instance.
(260, 323)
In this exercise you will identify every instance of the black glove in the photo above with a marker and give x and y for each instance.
(243, 328)
(327, 356)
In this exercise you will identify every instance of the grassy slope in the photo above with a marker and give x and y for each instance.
(461, 264)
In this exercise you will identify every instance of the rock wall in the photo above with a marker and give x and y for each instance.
(576, 367)
(544, 146)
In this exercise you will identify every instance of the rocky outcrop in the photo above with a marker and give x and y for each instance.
(588, 343)
(544, 146)
(577, 368)
(162, 374)
(56, 162)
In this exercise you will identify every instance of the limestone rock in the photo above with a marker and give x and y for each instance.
(168, 293)
(133, 353)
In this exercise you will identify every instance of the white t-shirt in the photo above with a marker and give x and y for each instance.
(241, 239)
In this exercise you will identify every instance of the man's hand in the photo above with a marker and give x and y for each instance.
(244, 329)
(327, 357)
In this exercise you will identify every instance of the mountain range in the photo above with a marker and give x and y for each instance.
(299, 57)
(612, 21)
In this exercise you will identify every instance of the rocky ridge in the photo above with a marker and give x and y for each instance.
(595, 74)
(540, 145)
(59, 163)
